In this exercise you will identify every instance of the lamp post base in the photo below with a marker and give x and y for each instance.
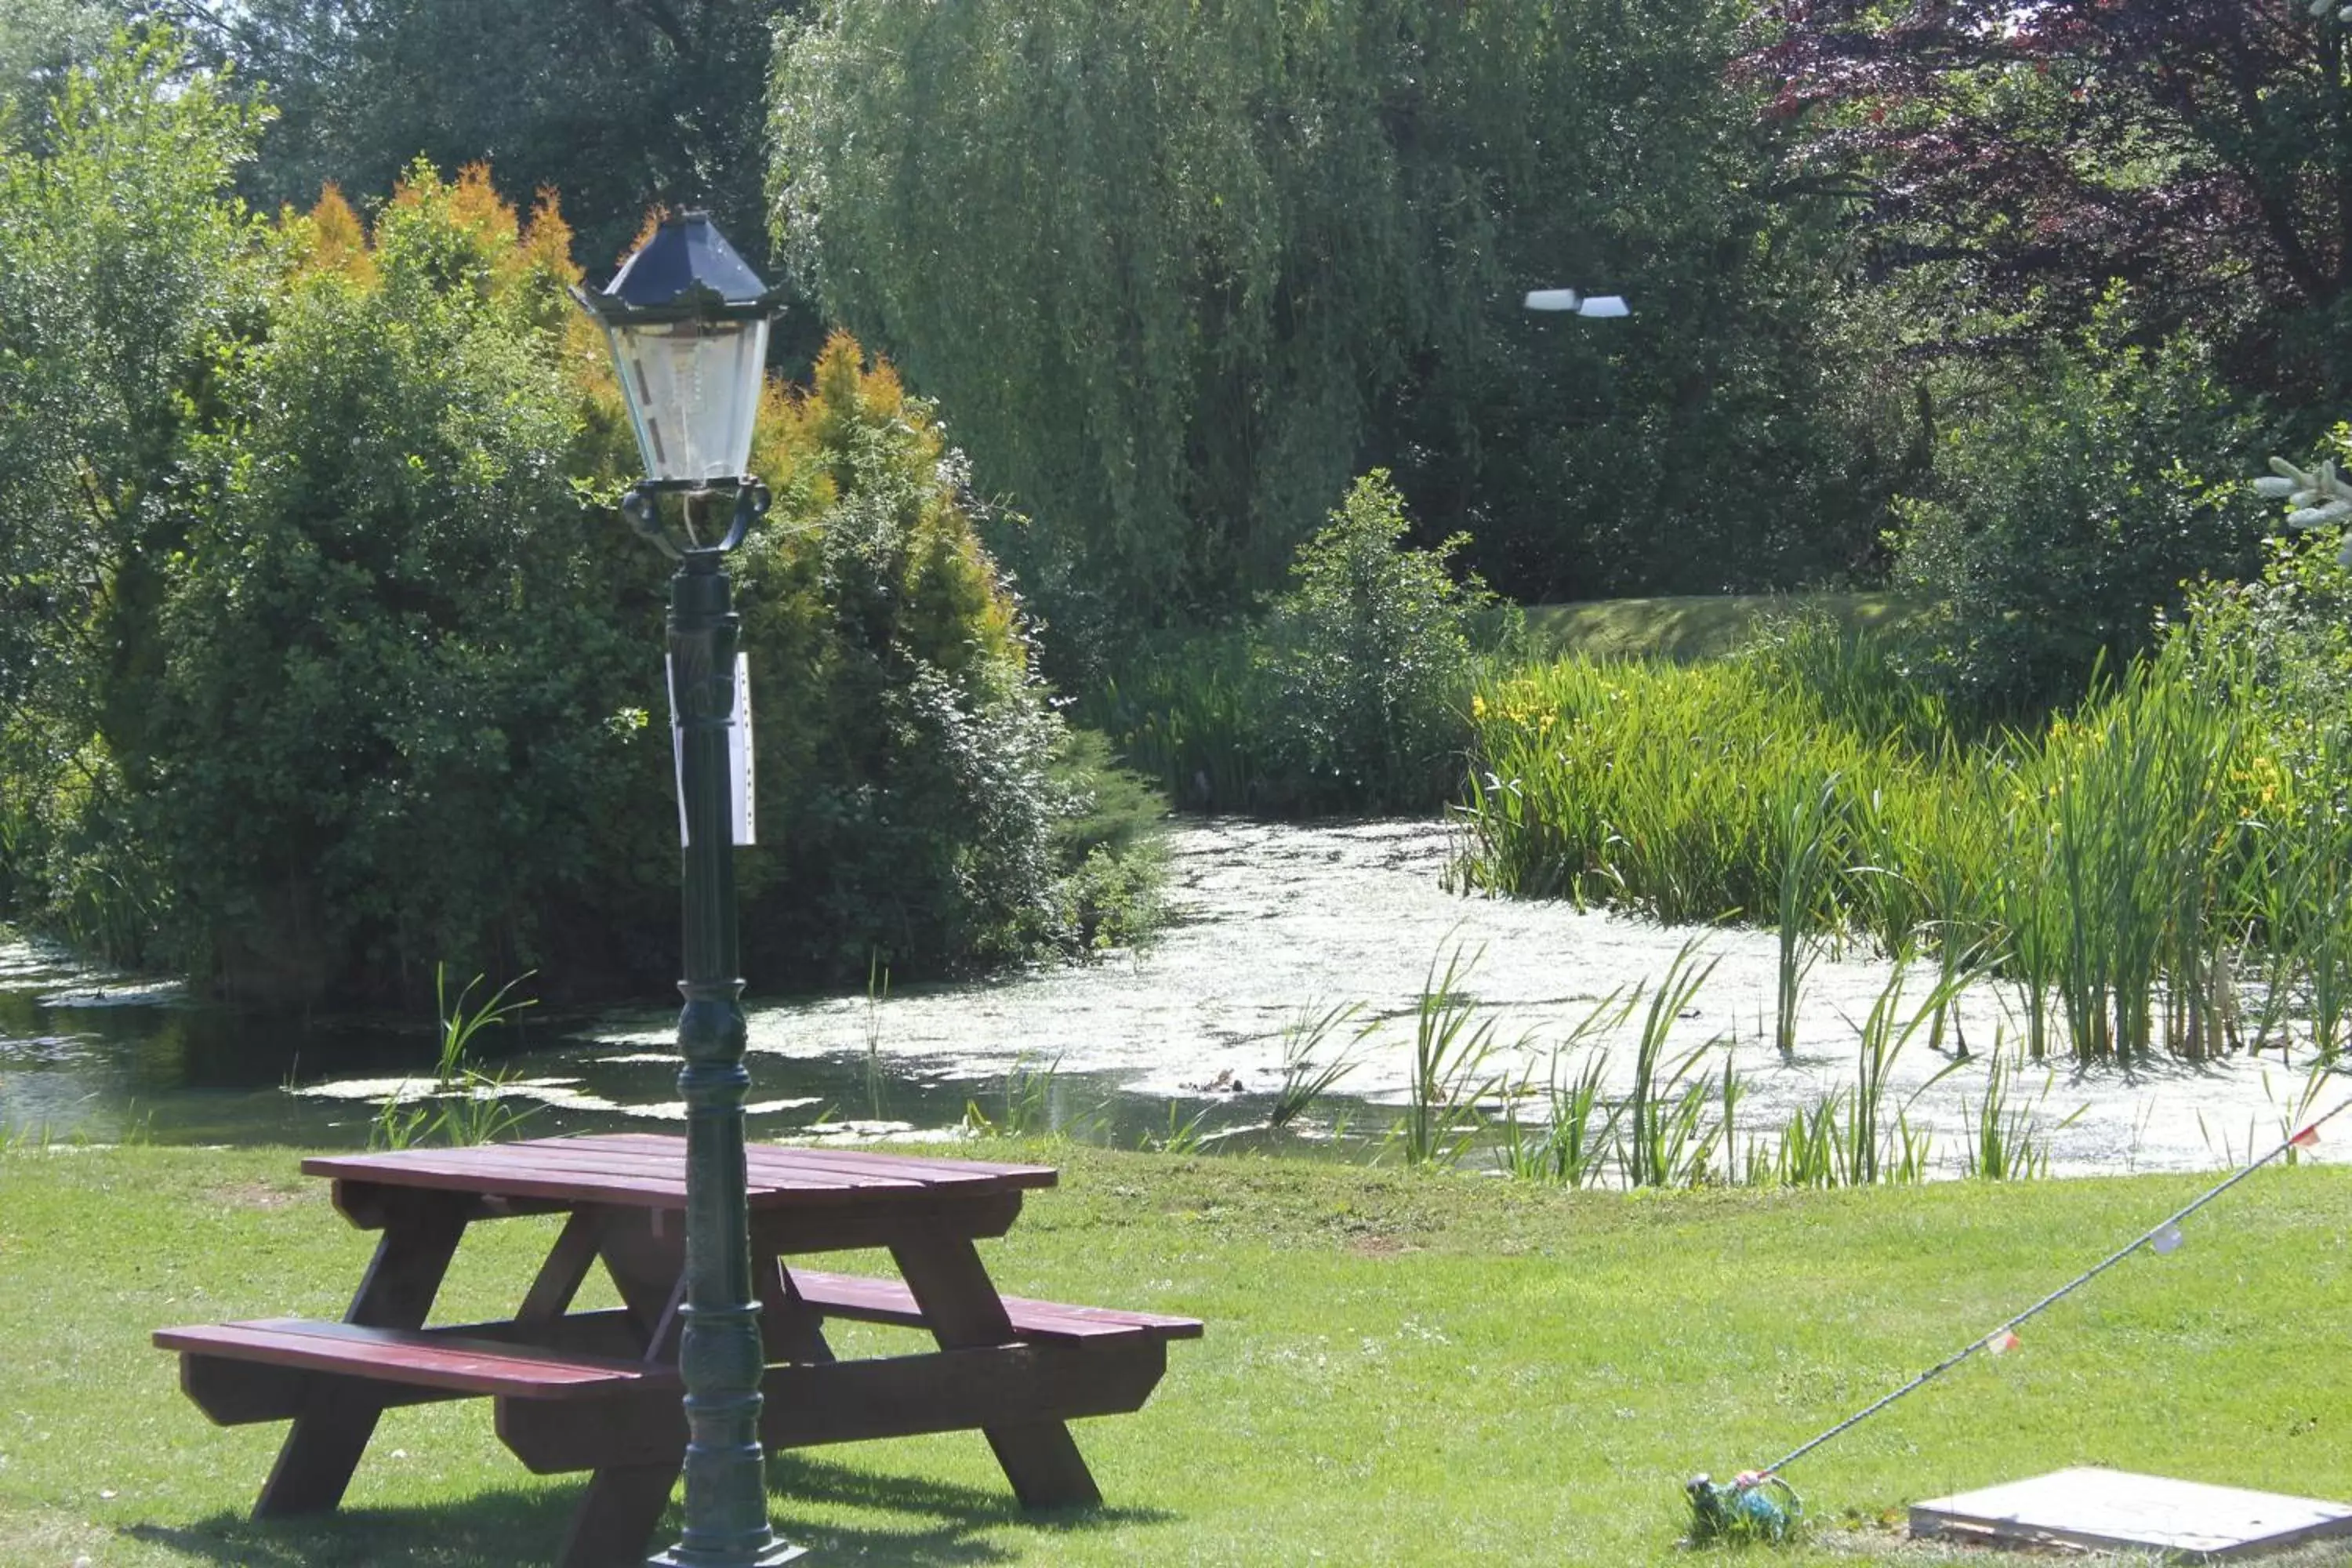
(773, 1557)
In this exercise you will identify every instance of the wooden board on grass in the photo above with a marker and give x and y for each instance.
(2100, 1508)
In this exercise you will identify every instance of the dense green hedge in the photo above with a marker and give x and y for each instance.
(327, 659)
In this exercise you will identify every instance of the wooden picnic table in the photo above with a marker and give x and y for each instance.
(599, 1391)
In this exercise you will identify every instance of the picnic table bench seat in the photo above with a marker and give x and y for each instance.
(479, 1359)
(868, 1299)
(1071, 1361)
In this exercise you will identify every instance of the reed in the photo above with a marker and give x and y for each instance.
(1806, 817)
(1452, 1049)
(1305, 1079)
(1874, 1145)
(1025, 1098)
(2114, 862)
(464, 1104)
(2008, 1141)
(1581, 1127)
(1184, 1135)
(1812, 1148)
(1194, 714)
(1666, 1140)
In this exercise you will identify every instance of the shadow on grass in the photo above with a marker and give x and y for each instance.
(509, 1526)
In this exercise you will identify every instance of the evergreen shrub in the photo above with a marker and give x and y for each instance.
(327, 659)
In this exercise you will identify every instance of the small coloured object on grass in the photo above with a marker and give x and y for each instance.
(1748, 1507)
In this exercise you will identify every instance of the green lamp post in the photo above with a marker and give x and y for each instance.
(688, 322)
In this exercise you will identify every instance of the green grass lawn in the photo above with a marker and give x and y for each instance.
(1399, 1368)
(1693, 626)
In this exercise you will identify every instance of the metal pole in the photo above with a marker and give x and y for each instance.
(720, 1358)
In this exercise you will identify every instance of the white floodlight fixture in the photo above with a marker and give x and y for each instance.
(1581, 304)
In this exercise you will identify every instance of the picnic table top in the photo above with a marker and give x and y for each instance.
(649, 1169)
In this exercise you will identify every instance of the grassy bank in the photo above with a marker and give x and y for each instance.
(1690, 628)
(1399, 1368)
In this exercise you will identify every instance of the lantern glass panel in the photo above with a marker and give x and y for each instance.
(693, 388)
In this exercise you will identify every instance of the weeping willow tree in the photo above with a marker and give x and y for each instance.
(1177, 267)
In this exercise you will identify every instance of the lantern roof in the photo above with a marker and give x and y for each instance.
(686, 269)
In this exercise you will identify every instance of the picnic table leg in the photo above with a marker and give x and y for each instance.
(618, 1514)
(790, 1330)
(339, 1415)
(643, 1251)
(962, 1310)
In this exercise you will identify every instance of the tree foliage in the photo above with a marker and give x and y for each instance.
(39, 40)
(325, 663)
(620, 104)
(2027, 157)
(2071, 503)
(1181, 269)
(123, 276)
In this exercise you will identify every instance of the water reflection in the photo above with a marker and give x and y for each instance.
(88, 1055)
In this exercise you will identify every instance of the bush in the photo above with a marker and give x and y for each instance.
(931, 803)
(1353, 694)
(2067, 511)
(390, 652)
(2283, 642)
(1371, 661)
(343, 673)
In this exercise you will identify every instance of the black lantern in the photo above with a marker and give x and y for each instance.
(689, 325)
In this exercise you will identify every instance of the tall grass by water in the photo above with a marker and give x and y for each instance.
(2122, 863)
(1675, 1122)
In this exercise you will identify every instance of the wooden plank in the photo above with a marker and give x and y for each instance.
(790, 1329)
(921, 1167)
(566, 1269)
(783, 1231)
(614, 1525)
(427, 1359)
(645, 1253)
(372, 1206)
(243, 1393)
(473, 1179)
(854, 1401)
(649, 1180)
(575, 1154)
(557, 1158)
(932, 1173)
(648, 1170)
(779, 1174)
(235, 1393)
(869, 1298)
(2095, 1508)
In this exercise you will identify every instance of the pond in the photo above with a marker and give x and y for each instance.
(1274, 924)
